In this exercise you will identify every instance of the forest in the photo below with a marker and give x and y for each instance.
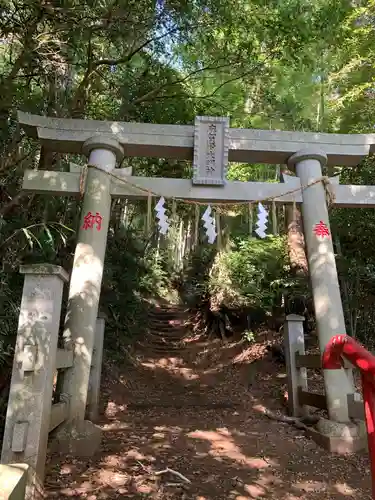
(286, 65)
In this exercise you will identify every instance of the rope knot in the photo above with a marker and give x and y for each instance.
(82, 181)
(328, 188)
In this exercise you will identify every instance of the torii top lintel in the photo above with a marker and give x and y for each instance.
(177, 141)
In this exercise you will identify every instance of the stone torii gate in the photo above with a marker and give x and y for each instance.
(210, 144)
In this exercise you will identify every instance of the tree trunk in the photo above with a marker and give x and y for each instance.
(296, 241)
(299, 303)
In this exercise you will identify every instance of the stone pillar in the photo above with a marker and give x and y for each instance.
(87, 270)
(30, 398)
(294, 342)
(323, 274)
(96, 371)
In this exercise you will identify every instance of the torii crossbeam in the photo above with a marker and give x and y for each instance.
(68, 184)
(177, 141)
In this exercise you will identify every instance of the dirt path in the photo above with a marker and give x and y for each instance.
(196, 411)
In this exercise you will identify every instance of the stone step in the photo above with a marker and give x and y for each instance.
(172, 351)
(183, 404)
(168, 318)
(166, 330)
(165, 345)
(159, 347)
(170, 322)
(169, 307)
(165, 338)
(163, 341)
(168, 312)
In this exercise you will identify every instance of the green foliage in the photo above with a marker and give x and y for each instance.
(253, 274)
(196, 274)
(256, 172)
(10, 299)
(294, 64)
(249, 336)
(133, 273)
(353, 231)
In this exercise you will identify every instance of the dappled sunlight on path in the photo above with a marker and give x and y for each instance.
(187, 425)
(225, 456)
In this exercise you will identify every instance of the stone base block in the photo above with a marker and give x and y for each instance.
(79, 438)
(339, 438)
(13, 480)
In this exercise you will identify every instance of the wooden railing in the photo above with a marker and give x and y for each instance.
(298, 362)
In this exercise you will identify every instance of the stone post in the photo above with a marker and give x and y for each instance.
(87, 270)
(96, 371)
(294, 342)
(13, 481)
(323, 273)
(30, 398)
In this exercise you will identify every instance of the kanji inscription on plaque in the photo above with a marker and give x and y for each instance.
(211, 140)
(90, 220)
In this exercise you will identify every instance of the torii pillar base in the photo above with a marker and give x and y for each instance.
(80, 438)
(339, 438)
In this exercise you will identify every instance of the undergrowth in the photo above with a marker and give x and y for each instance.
(250, 280)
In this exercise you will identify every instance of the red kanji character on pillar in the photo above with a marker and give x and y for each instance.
(89, 220)
(98, 221)
(321, 230)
